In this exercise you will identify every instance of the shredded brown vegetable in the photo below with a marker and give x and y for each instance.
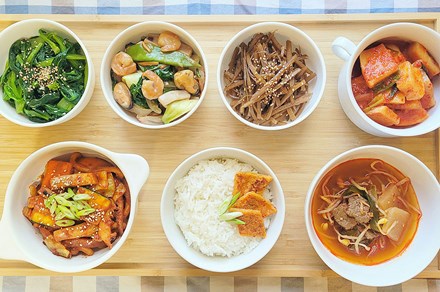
(268, 82)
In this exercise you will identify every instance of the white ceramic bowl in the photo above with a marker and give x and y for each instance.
(283, 32)
(29, 28)
(175, 236)
(20, 241)
(426, 242)
(134, 34)
(349, 52)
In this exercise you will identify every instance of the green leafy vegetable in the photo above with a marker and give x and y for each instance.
(136, 94)
(154, 54)
(165, 72)
(44, 77)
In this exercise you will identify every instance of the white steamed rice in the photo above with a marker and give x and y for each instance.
(198, 197)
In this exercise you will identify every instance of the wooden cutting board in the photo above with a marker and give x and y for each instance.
(295, 154)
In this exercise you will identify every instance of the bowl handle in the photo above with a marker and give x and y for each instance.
(8, 247)
(343, 48)
(136, 168)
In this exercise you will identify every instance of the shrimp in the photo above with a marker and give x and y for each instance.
(153, 87)
(168, 41)
(122, 64)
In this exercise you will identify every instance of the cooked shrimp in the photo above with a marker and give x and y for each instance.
(168, 41)
(153, 87)
(122, 64)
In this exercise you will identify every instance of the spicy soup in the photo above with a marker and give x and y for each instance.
(365, 211)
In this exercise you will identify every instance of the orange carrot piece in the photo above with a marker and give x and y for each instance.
(54, 168)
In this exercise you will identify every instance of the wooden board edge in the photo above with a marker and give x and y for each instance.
(140, 270)
(293, 271)
(195, 19)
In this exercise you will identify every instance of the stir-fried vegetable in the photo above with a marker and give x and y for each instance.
(166, 73)
(136, 94)
(159, 79)
(139, 53)
(87, 212)
(177, 109)
(44, 77)
(267, 82)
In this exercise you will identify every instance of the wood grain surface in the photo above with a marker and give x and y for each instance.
(295, 154)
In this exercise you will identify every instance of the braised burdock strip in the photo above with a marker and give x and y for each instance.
(268, 81)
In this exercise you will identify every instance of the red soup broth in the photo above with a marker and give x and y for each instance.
(389, 249)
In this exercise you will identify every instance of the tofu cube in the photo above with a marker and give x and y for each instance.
(396, 52)
(362, 93)
(417, 51)
(397, 98)
(409, 105)
(428, 100)
(360, 86)
(410, 81)
(377, 64)
(411, 117)
(383, 115)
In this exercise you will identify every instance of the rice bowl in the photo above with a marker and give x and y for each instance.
(198, 197)
(220, 263)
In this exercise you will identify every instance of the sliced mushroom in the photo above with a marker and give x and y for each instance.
(201, 78)
(122, 95)
(187, 50)
(154, 106)
(153, 37)
(173, 95)
(185, 80)
(150, 120)
(140, 111)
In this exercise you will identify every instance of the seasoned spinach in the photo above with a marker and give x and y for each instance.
(44, 77)
(165, 72)
(136, 94)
